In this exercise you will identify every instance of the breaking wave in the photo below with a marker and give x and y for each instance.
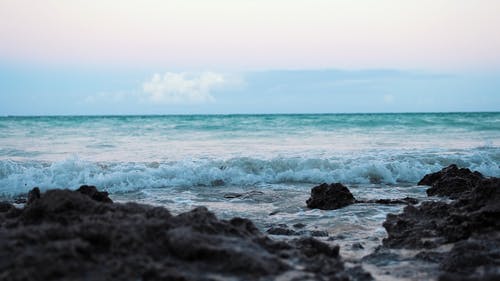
(385, 168)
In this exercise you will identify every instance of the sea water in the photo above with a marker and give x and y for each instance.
(270, 161)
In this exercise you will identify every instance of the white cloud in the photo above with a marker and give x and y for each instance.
(182, 88)
(389, 99)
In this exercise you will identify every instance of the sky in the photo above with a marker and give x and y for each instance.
(73, 57)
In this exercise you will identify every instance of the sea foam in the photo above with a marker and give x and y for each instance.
(19, 177)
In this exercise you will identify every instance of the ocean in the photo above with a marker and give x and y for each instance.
(257, 166)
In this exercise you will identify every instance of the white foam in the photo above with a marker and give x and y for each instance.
(19, 177)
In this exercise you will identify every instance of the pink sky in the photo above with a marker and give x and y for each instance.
(272, 34)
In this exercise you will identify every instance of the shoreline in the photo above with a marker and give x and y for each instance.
(405, 230)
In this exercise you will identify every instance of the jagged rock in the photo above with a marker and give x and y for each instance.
(358, 274)
(69, 235)
(281, 231)
(430, 256)
(318, 233)
(5, 206)
(33, 195)
(406, 200)
(299, 225)
(312, 247)
(468, 256)
(357, 246)
(93, 193)
(451, 181)
(471, 222)
(330, 197)
(435, 223)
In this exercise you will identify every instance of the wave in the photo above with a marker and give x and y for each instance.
(384, 168)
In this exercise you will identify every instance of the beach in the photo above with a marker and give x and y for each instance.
(260, 168)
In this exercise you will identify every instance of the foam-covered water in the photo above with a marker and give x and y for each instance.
(127, 153)
(386, 167)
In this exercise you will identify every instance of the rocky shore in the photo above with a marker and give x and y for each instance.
(470, 224)
(83, 235)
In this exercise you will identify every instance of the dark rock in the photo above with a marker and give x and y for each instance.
(468, 255)
(417, 227)
(330, 197)
(5, 206)
(358, 274)
(471, 222)
(312, 247)
(321, 258)
(33, 195)
(406, 200)
(430, 256)
(482, 276)
(357, 246)
(281, 231)
(68, 235)
(299, 225)
(92, 192)
(318, 233)
(435, 223)
(451, 181)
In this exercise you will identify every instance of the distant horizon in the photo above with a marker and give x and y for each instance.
(251, 114)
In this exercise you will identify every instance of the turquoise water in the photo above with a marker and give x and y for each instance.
(129, 153)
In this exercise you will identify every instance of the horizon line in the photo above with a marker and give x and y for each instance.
(240, 114)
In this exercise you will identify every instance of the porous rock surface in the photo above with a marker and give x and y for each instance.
(471, 223)
(451, 181)
(330, 197)
(81, 235)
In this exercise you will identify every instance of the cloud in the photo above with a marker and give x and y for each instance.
(389, 99)
(183, 88)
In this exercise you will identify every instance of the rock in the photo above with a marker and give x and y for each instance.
(281, 231)
(357, 246)
(358, 274)
(406, 200)
(248, 194)
(299, 225)
(430, 256)
(318, 233)
(33, 195)
(467, 256)
(5, 206)
(92, 192)
(451, 181)
(470, 222)
(69, 235)
(330, 197)
(312, 247)
(418, 227)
